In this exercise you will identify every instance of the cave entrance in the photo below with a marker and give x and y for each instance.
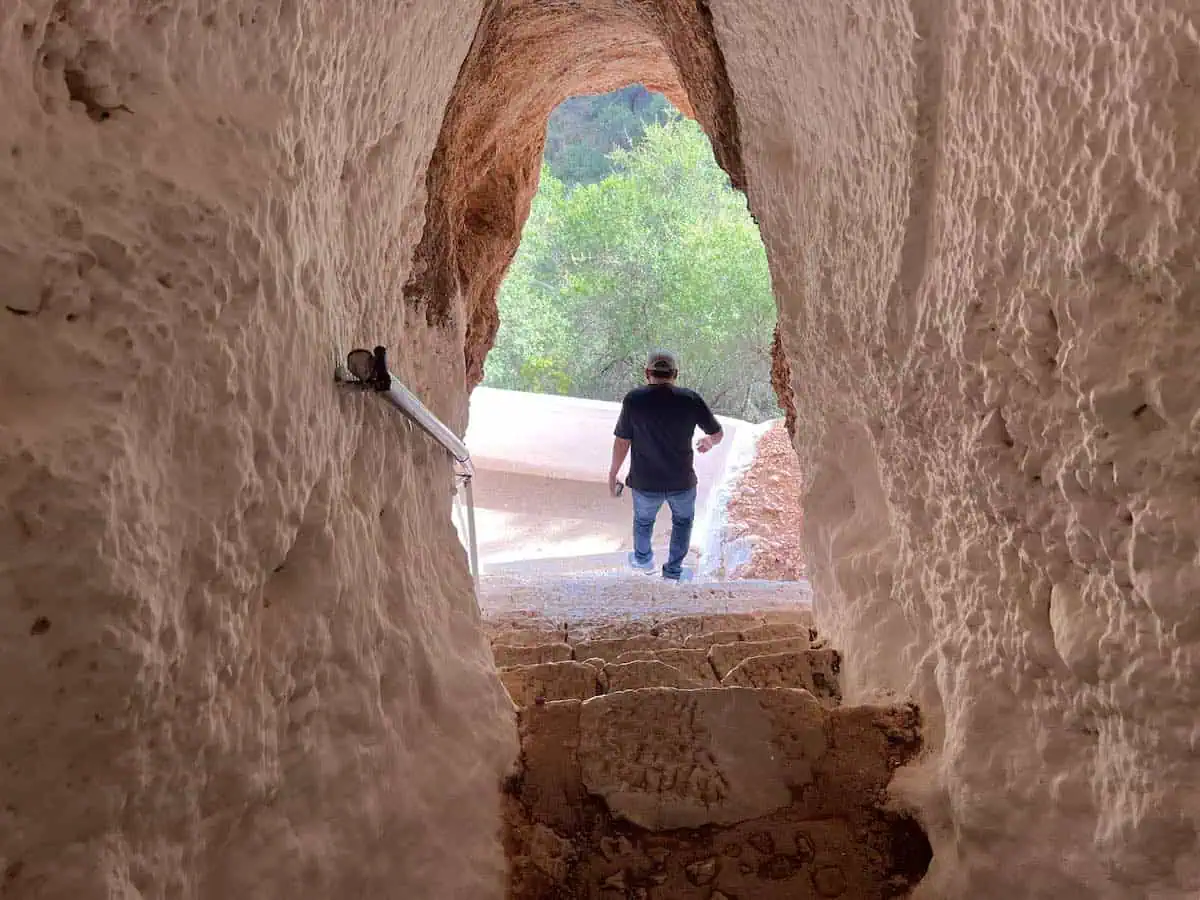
(636, 240)
(527, 57)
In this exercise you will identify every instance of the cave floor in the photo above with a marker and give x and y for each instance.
(609, 596)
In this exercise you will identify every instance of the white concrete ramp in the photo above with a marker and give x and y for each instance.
(541, 490)
(560, 437)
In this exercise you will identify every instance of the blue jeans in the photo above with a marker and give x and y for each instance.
(645, 509)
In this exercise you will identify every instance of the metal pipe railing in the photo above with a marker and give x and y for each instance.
(369, 371)
(406, 401)
(472, 543)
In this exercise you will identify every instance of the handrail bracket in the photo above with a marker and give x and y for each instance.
(368, 370)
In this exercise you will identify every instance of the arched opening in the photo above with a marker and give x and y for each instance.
(636, 240)
(484, 172)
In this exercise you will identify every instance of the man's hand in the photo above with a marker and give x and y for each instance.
(614, 484)
(620, 451)
(709, 441)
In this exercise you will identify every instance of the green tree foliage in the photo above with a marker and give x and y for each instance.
(583, 131)
(660, 252)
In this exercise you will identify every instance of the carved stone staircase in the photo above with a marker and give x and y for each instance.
(700, 756)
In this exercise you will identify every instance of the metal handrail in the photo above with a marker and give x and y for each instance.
(365, 370)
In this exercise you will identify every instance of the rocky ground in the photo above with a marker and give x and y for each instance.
(765, 510)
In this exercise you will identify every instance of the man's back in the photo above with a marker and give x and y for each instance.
(659, 421)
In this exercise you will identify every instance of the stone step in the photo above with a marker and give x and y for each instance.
(724, 657)
(611, 648)
(741, 793)
(815, 671)
(507, 655)
(700, 631)
(693, 663)
(645, 673)
(539, 673)
(708, 638)
(757, 632)
(771, 631)
(568, 680)
(545, 632)
(683, 628)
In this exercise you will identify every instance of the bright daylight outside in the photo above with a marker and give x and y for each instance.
(635, 242)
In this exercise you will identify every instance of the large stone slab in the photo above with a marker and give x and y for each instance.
(773, 631)
(815, 671)
(691, 662)
(665, 759)
(507, 656)
(644, 673)
(725, 656)
(609, 649)
(709, 638)
(568, 680)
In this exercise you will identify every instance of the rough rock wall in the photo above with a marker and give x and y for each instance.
(238, 651)
(981, 225)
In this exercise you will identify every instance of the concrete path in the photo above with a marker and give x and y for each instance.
(560, 437)
(527, 519)
(541, 493)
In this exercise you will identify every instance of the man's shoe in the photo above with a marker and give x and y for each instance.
(641, 567)
(685, 575)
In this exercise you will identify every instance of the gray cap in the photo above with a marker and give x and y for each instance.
(660, 362)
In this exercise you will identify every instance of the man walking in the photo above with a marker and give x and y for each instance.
(657, 421)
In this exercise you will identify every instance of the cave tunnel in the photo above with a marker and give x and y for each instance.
(240, 653)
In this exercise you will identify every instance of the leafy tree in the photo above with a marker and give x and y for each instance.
(582, 131)
(660, 252)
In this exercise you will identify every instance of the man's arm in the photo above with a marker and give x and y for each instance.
(620, 451)
(713, 433)
(622, 439)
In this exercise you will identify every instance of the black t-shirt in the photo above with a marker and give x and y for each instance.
(660, 419)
